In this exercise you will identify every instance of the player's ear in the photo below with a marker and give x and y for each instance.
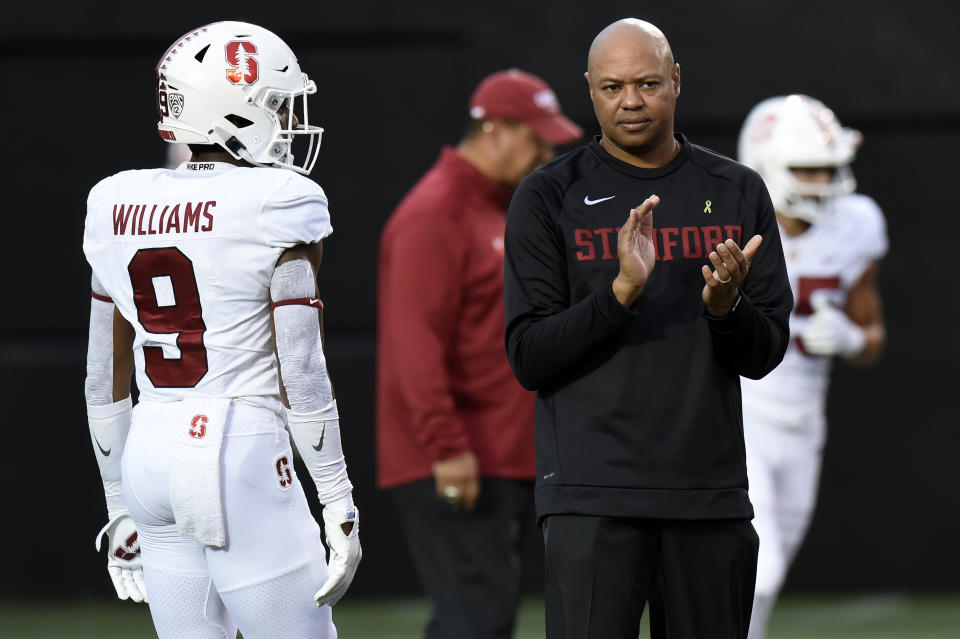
(676, 80)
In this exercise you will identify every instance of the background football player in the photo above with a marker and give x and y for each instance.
(187, 265)
(832, 242)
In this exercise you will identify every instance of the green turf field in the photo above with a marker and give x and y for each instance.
(886, 616)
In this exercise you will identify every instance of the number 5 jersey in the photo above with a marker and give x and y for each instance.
(828, 259)
(187, 256)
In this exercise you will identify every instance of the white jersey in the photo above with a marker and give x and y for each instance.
(187, 256)
(829, 257)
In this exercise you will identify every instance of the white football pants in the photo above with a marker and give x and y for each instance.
(783, 468)
(264, 579)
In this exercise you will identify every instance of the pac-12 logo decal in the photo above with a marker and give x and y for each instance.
(284, 471)
(243, 65)
(198, 426)
(175, 102)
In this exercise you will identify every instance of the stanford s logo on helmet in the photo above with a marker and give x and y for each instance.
(241, 56)
(238, 86)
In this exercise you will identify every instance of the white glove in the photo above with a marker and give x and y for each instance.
(345, 553)
(830, 332)
(123, 557)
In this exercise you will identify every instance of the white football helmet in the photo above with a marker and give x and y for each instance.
(797, 131)
(231, 84)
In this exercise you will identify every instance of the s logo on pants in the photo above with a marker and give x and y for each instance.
(284, 471)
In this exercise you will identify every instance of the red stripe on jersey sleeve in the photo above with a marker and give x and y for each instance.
(102, 298)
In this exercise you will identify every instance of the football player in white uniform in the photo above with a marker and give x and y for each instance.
(204, 286)
(832, 242)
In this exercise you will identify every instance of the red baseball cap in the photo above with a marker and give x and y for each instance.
(523, 97)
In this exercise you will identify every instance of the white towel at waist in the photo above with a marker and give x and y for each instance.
(195, 476)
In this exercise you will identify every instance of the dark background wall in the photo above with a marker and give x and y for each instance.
(394, 79)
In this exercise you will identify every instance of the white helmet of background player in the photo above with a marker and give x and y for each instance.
(237, 86)
(797, 131)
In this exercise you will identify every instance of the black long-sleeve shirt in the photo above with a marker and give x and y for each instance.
(638, 409)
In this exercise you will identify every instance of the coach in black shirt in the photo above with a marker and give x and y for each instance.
(635, 338)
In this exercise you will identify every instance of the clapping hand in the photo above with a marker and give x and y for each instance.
(637, 252)
(731, 265)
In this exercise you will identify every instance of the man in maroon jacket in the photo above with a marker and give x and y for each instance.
(454, 428)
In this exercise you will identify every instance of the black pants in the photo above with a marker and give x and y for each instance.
(698, 577)
(468, 562)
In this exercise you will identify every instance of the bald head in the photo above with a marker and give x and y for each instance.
(625, 37)
(634, 85)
